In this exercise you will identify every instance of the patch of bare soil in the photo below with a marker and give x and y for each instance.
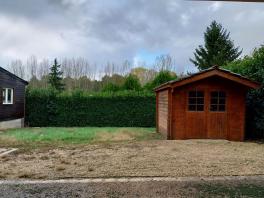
(114, 137)
(148, 158)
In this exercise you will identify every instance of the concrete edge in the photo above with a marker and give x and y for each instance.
(11, 124)
(134, 179)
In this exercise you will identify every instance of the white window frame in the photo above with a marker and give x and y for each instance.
(5, 100)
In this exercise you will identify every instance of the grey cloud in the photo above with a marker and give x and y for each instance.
(118, 29)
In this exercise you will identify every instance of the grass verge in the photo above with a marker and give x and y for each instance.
(35, 137)
(234, 190)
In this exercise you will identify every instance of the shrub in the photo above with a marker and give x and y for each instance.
(252, 67)
(111, 87)
(122, 109)
(132, 83)
(162, 77)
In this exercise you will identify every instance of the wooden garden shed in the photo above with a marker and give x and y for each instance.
(206, 105)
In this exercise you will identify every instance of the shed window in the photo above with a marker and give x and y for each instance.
(196, 101)
(218, 101)
(8, 95)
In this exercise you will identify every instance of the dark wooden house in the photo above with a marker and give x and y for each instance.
(12, 100)
(207, 105)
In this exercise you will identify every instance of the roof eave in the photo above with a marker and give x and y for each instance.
(214, 71)
(162, 88)
(14, 76)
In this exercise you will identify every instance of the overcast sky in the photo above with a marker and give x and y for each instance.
(116, 30)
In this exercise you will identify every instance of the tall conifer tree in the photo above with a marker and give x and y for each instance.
(55, 76)
(218, 49)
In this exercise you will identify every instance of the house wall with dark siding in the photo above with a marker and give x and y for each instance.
(15, 110)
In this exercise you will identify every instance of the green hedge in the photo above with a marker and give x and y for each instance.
(46, 108)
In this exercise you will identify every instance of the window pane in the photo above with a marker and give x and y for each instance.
(214, 101)
(222, 101)
(196, 101)
(213, 108)
(192, 100)
(200, 101)
(9, 95)
(192, 107)
(200, 107)
(192, 94)
(200, 94)
(221, 108)
(214, 94)
(218, 101)
(222, 94)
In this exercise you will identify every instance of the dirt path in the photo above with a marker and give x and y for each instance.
(251, 186)
(137, 159)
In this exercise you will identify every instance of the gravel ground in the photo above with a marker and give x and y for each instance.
(137, 187)
(145, 158)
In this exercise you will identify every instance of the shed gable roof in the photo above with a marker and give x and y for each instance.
(13, 75)
(213, 71)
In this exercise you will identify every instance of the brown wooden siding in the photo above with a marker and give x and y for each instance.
(236, 115)
(163, 112)
(178, 114)
(15, 110)
(206, 124)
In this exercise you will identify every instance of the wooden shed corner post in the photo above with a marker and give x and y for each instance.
(157, 112)
(243, 118)
(169, 124)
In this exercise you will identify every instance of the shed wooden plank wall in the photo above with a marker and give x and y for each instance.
(236, 115)
(16, 110)
(162, 112)
(206, 124)
(178, 114)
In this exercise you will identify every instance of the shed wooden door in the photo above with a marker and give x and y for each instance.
(211, 121)
(217, 122)
(217, 125)
(195, 114)
(196, 125)
(219, 119)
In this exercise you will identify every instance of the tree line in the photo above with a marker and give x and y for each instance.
(78, 73)
(138, 79)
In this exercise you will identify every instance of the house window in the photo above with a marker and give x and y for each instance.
(8, 95)
(196, 101)
(218, 101)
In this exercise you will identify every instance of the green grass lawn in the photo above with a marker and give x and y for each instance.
(80, 135)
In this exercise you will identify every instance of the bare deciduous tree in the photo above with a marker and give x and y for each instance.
(164, 62)
(18, 68)
(32, 64)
